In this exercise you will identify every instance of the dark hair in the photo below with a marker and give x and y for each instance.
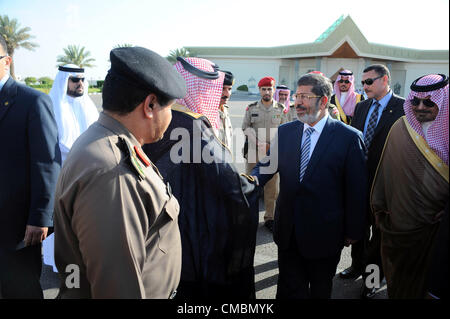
(320, 85)
(122, 98)
(380, 69)
(3, 45)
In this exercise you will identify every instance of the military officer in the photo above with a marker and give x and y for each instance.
(225, 127)
(116, 221)
(260, 125)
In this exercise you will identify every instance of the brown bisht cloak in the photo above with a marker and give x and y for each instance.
(410, 188)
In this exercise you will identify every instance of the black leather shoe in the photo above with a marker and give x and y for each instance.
(368, 293)
(350, 272)
(269, 225)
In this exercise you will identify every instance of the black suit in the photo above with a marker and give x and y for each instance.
(365, 252)
(30, 162)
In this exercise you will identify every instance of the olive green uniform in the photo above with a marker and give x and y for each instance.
(116, 220)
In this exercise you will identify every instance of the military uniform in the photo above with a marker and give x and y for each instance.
(258, 116)
(115, 219)
(334, 112)
(225, 129)
(292, 114)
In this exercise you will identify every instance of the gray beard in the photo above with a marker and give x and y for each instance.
(308, 118)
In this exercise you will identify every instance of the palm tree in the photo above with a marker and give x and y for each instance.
(15, 37)
(183, 52)
(123, 45)
(73, 54)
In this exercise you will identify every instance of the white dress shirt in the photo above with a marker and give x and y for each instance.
(318, 128)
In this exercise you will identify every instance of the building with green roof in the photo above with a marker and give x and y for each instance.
(341, 46)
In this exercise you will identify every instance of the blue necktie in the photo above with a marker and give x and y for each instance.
(304, 153)
(372, 125)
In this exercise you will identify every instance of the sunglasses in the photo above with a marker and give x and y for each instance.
(344, 81)
(427, 102)
(76, 80)
(370, 81)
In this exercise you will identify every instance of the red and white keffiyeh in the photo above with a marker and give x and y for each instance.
(203, 95)
(437, 134)
(350, 101)
(276, 97)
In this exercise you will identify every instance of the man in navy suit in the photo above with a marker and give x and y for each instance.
(30, 162)
(323, 188)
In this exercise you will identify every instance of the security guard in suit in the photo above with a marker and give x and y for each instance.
(116, 220)
(260, 125)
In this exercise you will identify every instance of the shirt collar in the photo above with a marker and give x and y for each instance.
(3, 81)
(385, 100)
(319, 125)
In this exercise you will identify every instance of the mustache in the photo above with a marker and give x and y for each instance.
(423, 112)
(301, 107)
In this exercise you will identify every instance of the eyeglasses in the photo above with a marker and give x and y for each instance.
(76, 80)
(344, 81)
(302, 96)
(427, 102)
(370, 81)
(2, 56)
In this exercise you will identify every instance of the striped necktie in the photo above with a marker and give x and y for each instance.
(372, 125)
(304, 153)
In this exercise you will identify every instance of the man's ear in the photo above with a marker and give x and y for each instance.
(148, 105)
(324, 100)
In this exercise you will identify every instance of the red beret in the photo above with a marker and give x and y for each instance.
(317, 72)
(266, 81)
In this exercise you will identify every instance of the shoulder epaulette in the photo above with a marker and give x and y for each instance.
(280, 105)
(138, 165)
(185, 110)
(251, 104)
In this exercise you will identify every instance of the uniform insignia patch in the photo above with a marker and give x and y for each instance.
(144, 159)
(133, 159)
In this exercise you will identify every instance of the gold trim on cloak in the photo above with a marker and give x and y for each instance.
(341, 110)
(427, 152)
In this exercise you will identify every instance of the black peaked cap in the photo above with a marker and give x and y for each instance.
(229, 78)
(146, 70)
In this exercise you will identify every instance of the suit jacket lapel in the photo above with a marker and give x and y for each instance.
(7, 97)
(325, 138)
(297, 147)
(364, 114)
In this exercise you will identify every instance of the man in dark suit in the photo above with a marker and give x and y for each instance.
(30, 162)
(374, 117)
(323, 188)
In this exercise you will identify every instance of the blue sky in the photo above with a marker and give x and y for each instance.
(163, 25)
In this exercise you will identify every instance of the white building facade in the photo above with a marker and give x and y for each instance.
(342, 46)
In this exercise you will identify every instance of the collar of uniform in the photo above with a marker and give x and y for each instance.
(267, 109)
(116, 127)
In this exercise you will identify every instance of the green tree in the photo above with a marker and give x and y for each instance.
(46, 80)
(73, 54)
(15, 37)
(30, 80)
(183, 52)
